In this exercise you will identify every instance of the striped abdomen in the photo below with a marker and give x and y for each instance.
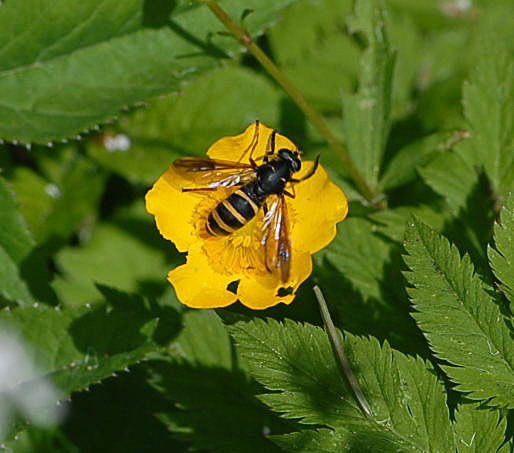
(234, 212)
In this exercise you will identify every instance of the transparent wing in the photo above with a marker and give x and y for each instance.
(214, 173)
(276, 238)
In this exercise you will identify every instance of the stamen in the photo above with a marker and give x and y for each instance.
(238, 253)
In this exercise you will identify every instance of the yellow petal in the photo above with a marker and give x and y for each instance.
(198, 285)
(319, 204)
(234, 147)
(173, 209)
(261, 292)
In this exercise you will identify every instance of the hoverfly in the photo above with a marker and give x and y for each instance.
(259, 186)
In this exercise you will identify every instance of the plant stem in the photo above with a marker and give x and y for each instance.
(246, 40)
(338, 348)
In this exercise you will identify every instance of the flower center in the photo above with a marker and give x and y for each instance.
(240, 252)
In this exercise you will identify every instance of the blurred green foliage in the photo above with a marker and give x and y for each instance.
(97, 99)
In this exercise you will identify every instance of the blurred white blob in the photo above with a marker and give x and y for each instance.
(119, 142)
(53, 191)
(456, 7)
(23, 389)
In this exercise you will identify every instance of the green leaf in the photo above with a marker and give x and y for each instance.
(40, 440)
(295, 362)
(79, 347)
(406, 39)
(427, 13)
(323, 440)
(58, 205)
(12, 286)
(366, 113)
(78, 193)
(16, 243)
(192, 347)
(488, 100)
(211, 398)
(429, 75)
(478, 429)
(452, 177)
(120, 415)
(403, 167)
(134, 259)
(361, 276)
(392, 222)
(58, 201)
(82, 63)
(188, 123)
(468, 196)
(462, 323)
(310, 41)
(61, 28)
(502, 256)
(14, 235)
(33, 193)
(336, 441)
(439, 105)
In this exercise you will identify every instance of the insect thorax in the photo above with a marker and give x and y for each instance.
(272, 177)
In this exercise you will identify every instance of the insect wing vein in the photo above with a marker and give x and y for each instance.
(214, 173)
(276, 238)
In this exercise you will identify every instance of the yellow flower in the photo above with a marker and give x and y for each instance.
(215, 262)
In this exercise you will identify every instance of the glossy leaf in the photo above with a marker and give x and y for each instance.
(82, 63)
(186, 124)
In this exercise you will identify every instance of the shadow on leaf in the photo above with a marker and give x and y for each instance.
(215, 408)
(387, 318)
(471, 230)
(120, 416)
(125, 323)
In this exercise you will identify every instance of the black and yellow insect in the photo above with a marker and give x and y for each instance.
(260, 186)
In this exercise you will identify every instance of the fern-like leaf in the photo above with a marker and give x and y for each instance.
(502, 256)
(479, 430)
(460, 319)
(296, 364)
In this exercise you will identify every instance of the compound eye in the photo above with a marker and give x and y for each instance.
(285, 153)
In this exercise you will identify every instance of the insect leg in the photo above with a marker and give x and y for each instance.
(291, 194)
(270, 146)
(199, 189)
(253, 144)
